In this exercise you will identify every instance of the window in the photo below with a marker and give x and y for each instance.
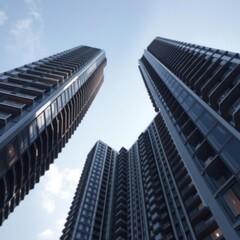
(216, 234)
(75, 87)
(32, 131)
(54, 109)
(231, 153)
(196, 111)
(206, 122)
(156, 226)
(188, 102)
(12, 152)
(182, 96)
(23, 141)
(63, 99)
(59, 103)
(67, 94)
(218, 136)
(41, 122)
(232, 199)
(179, 89)
(48, 115)
(154, 216)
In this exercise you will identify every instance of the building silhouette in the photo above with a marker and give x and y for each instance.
(41, 105)
(180, 179)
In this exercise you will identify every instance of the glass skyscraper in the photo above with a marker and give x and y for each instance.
(180, 179)
(41, 105)
(197, 90)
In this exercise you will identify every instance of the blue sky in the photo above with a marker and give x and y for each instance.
(33, 29)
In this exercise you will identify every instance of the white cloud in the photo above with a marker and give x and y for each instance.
(58, 185)
(22, 26)
(3, 17)
(26, 33)
(46, 234)
(64, 195)
(60, 223)
(54, 181)
(34, 9)
(71, 175)
(52, 234)
(47, 203)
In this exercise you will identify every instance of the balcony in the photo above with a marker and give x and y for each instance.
(205, 228)
(229, 100)
(188, 190)
(178, 166)
(181, 173)
(185, 180)
(193, 201)
(205, 153)
(195, 140)
(236, 116)
(199, 213)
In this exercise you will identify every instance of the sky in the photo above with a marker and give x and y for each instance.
(33, 29)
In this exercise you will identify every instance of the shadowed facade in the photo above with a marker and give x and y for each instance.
(41, 105)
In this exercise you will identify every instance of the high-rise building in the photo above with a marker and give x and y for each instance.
(41, 105)
(91, 207)
(197, 90)
(180, 179)
(143, 193)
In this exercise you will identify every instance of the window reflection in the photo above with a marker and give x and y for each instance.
(59, 103)
(54, 109)
(41, 122)
(11, 152)
(23, 141)
(231, 153)
(219, 136)
(206, 122)
(32, 131)
(196, 111)
(48, 115)
(231, 197)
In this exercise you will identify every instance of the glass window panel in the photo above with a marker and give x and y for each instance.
(71, 90)
(216, 234)
(189, 101)
(195, 111)
(54, 109)
(175, 87)
(75, 86)
(67, 94)
(32, 131)
(206, 122)
(232, 201)
(41, 122)
(12, 152)
(218, 136)
(23, 141)
(63, 99)
(48, 115)
(179, 89)
(59, 103)
(182, 96)
(79, 82)
(231, 153)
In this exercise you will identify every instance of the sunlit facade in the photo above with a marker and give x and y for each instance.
(197, 90)
(41, 105)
